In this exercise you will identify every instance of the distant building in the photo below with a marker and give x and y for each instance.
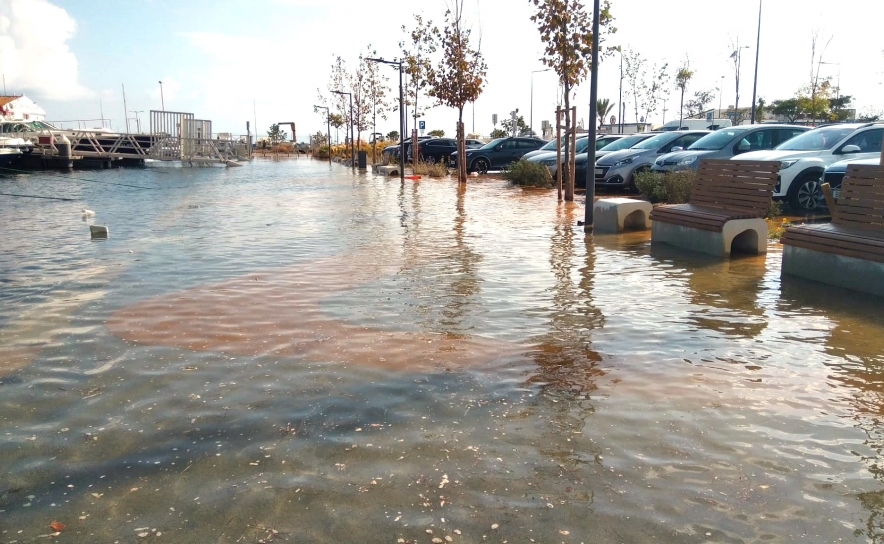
(20, 108)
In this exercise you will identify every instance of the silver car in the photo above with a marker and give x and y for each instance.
(727, 142)
(617, 169)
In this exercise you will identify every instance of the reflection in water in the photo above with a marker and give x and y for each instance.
(853, 341)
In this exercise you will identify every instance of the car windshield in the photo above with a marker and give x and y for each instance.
(581, 145)
(550, 145)
(817, 139)
(493, 143)
(655, 141)
(717, 140)
(625, 143)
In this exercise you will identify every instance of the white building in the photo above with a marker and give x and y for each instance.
(20, 108)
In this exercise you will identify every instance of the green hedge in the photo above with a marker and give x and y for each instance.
(528, 174)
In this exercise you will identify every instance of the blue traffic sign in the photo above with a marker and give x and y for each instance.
(422, 125)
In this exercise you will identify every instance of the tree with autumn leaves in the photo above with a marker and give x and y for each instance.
(566, 31)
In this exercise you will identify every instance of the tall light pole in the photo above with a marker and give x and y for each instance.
(720, 94)
(163, 100)
(352, 142)
(737, 55)
(620, 108)
(593, 114)
(327, 128)
(531, 122)
(402, 117)
(757, 48)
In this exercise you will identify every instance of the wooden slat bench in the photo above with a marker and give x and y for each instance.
(728, 203)
(849, 251)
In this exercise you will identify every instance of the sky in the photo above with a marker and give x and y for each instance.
(234, 61)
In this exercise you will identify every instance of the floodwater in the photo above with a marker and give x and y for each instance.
(288, 352)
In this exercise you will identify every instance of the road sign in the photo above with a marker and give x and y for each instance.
(422, 125)
(613, 119)
(494, 119)
(708, 116)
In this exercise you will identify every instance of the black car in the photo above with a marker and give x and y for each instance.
(498, 153)
(393, 150)
(435, 150)
(835, 172)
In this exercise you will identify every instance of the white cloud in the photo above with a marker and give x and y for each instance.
(34, 54)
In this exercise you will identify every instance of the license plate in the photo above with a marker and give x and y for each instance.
(599, 172)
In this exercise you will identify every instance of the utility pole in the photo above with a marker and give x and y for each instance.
(125, 109)
(593, 97)
(620, 109)
(531, 122)
(757, 49)
(163, 101)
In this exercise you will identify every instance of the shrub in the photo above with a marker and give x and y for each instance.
(430, 168)
(775, 209)
(321, 152)
(528, 174)
(669, 187)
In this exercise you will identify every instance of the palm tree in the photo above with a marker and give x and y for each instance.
(603, 107)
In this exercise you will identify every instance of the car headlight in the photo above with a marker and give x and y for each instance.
(623, 161)
(686, 161)
(787, 164)
(659, 162)
(550, 162)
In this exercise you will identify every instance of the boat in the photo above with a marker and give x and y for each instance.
(8, 156)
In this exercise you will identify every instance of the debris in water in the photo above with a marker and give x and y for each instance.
(56, 526)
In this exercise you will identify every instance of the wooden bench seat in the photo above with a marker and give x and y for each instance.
(849, 251)
(727, 200)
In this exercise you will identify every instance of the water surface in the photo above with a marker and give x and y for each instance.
(291, 352)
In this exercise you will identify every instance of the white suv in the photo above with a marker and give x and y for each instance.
(804, 158)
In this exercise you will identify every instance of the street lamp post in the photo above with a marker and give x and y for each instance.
(757, 48)
(620, 108)
(162, 100)
(593, 113)
(352, 142)
(327, 128)
(531, 122)
(401, 118)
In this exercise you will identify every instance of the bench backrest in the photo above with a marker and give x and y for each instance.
(861, 201)
(745, 186)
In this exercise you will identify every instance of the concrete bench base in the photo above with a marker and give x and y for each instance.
(391, 170)
(738, 235)
(619, 214)
(838, 270)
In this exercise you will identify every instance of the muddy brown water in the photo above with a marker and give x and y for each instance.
(290, 352)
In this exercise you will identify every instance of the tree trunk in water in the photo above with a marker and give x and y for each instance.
(568, 177)
(559, 151)
(461, 154)
(414, 150)
(573, 164)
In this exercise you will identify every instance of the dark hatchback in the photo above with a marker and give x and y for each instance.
(498, 153)
(435, 150)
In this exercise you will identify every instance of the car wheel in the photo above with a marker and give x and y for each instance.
(480, 166)
(805, 194)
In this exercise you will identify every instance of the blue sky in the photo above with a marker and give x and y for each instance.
(216, 57)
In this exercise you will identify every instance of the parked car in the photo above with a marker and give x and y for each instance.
(549, 158)
(617, 169)
(435, 150)
(804, 158)
(393, 150)
(497, 154)
(834, 173)
(472, 143)
(725, 143)
(550, 146)
(695, 124)
(622, 143)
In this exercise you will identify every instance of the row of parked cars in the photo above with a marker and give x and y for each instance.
(807, 156)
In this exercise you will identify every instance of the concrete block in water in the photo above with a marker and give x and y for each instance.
(98, 231)
(742, 235)
(391, 170)
(861, 275)
(619, 214)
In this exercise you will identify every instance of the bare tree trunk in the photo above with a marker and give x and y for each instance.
(559, 151)
(461, 152)
(568, 178)
(573, 165)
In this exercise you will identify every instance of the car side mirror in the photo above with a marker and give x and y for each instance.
(676, 148)
(850, 149)
(743, 148)
(498, 147)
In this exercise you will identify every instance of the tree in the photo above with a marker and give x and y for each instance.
(439, 133)
(417, 65)
(682, 78)
(393, 136)
(375, 89)
(336, 120)
(814, 102)
(603, 107)
(336, 82)
(737, 56)
(499, 133)
(566, 31)
(358, 81)
(276, 135)
(839, 108)
(459, 76)
(697, 105)
(868, 115)
(788, 108)
(814, 86)
(760, 106)
(634, 71)
(521, 126)
(653, 92)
